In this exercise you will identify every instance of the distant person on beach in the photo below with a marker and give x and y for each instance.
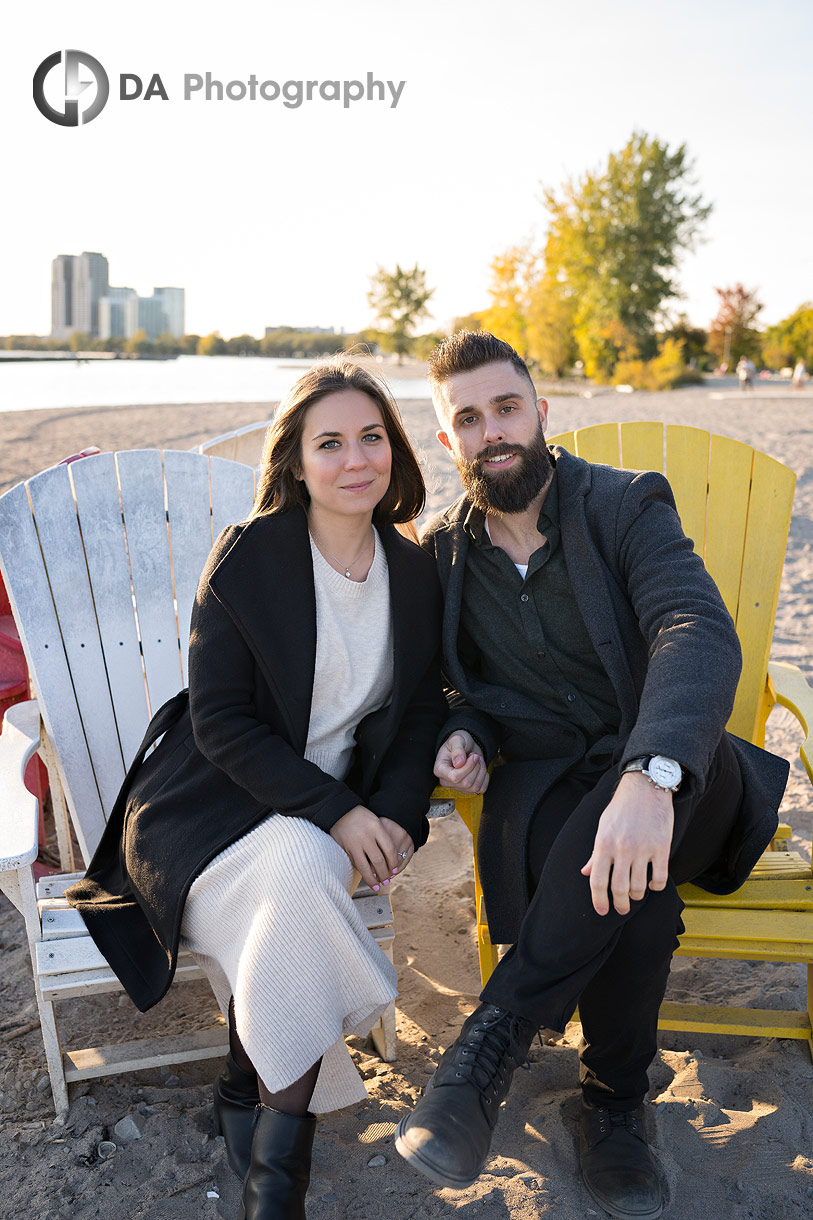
(745, 371)
(799, 375)
(593, 662)
(300, 762)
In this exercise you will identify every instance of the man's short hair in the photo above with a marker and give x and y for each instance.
(468, 350)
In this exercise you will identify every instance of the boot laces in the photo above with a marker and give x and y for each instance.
(491, 1048)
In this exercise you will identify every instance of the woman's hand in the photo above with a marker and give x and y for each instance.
(369, 844)
(404, 846)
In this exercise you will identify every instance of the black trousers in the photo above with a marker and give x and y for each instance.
(615, 967)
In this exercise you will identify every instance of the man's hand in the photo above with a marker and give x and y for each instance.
(459, 765)
(369, 844)
(634, 831)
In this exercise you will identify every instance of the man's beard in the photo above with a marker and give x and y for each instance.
(511, 491)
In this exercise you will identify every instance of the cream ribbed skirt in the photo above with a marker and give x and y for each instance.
(272, 923)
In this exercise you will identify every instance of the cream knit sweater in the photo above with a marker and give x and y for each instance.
(271, 920)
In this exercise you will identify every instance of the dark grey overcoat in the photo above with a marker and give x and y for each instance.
(233, 751)
(667, 642)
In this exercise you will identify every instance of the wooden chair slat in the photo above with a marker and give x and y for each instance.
(721, 924)
(767, 895)
(95, 482)
(143, 506)
(729, 488)
(598, 443)
(718, 1018)
(27, 584)
(189, 517)
(642, 446)
(565, 440)
(769, 510)
(687, 469)
(232, 487)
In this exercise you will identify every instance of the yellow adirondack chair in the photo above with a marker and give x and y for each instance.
(735, 504)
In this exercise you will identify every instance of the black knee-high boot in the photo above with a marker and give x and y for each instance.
(279, 1171)
(236, 1097)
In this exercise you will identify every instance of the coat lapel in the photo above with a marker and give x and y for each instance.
(588, 578)
(266, 583)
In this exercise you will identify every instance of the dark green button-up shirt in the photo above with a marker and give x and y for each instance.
(528, 634)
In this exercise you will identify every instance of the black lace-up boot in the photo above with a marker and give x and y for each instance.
(448, 1134)
(617, 1166)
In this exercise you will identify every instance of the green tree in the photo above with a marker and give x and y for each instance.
(399, 299)
(614, 243)
(469, 321)
(212, 345)
(243, 345)
(188, 345)
(514, 277)
(790, 340)
(138, 343)
(733, 333)
(79, 341)
(531, 310)
(694, 339)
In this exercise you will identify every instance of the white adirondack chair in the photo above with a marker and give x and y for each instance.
(101, 561)
(243, 445)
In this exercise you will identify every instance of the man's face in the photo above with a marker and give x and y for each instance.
(494, 429)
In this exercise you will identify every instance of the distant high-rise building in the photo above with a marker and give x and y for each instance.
(160, 313)
(82, 299)
(113, 313)
(62, 296)
(90, 284)
(173, 303)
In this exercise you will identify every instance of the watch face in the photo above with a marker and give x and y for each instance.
(664, 771)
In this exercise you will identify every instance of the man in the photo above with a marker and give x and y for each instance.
(592, 659)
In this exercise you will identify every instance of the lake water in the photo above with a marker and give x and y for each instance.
(112, 383)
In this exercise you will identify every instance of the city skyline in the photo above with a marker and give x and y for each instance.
(270, 216)
(83, 301)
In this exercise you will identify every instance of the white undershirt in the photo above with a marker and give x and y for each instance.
(353, 658)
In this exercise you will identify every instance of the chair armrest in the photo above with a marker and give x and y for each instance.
(19, 740)
(795, 693)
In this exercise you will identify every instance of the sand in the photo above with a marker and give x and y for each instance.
(732, 1122)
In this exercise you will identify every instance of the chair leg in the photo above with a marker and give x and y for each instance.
(383, 1036)
(810, 1007)
(53, 1054)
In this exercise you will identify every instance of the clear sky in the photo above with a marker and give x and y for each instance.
(270, 215)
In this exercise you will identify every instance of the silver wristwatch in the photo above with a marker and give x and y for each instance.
(664, 773)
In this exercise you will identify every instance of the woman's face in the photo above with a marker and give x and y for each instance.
(346, 454)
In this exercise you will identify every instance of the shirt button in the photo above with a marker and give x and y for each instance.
(523, 597)
(541, 654)
(571, 698)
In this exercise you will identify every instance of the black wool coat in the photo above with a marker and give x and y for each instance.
(233, 750)
(660, 628)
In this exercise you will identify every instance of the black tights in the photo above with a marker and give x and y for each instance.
(293, 1100)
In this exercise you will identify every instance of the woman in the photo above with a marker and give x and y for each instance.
(304, 758)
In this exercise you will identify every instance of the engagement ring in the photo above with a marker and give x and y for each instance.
(402, 855)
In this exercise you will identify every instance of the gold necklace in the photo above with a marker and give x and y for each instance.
(341, 562)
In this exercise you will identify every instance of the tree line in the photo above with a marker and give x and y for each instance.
(599, 297)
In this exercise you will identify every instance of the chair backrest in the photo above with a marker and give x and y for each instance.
(735, 504)
(243, 445)
(101, 560)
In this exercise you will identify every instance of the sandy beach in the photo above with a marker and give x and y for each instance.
(732, 1119)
